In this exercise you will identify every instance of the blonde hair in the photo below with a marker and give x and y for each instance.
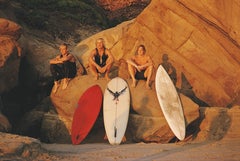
(100, 40)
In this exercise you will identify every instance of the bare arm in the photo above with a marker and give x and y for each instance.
(55, 60)
(58, 59)
(132, 62)
(110, 57)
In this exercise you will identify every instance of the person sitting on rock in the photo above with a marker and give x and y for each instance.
(140, 66)
(63, 67)
(100, 60)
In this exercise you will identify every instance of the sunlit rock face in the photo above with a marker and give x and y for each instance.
(10, 52)
(201, 41)
(201, 44)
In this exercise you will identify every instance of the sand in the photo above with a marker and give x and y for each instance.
(223, 150)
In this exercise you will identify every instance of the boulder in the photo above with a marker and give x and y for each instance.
(203, 51)
(10, 52)
(113, 5)
(144, 103)
(208, 73)
(53, 129)
(26, 147)
(219, 123)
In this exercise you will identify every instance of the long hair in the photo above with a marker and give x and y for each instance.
(140, 46)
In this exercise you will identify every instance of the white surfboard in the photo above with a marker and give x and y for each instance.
(170, 103)
(116, 105)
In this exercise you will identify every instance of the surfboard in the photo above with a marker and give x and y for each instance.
(170, 103)
(116, 106)
(86, 113)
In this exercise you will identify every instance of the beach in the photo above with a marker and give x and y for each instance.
(223, 150)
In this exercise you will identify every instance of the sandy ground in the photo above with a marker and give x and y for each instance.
(224, 150)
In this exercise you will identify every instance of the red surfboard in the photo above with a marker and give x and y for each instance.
(86, 113)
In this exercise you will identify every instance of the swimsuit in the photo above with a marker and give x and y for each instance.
(101, 60)
(140, 75)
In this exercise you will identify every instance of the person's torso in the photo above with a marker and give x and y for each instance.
(141, 60)
(101, 59)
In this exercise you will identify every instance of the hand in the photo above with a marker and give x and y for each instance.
(141, 67)
(138, 68)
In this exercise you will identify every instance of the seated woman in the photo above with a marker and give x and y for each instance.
(100, 60)
(63, 67)
(140, 66)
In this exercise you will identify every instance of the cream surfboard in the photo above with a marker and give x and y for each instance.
(170, 103)
(116, 105)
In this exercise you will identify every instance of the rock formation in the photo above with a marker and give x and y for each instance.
(203, 52)
(200, 39)
(113, 5)
(206, 72)
(10, 52)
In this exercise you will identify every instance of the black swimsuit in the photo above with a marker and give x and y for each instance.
(101, 60)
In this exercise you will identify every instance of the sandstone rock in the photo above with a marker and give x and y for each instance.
(53, 129)
(208, 73)
(153, 128)
(219, 123)
(144, 103)
(180, 29)
(10, 51)
(21, 146)
(10, 28)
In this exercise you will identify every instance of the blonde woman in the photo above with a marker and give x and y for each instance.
(100, 60)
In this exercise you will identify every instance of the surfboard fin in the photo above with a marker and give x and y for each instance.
(115, 132)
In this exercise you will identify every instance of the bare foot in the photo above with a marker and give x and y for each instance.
(55, 87)
(105, 137)
(148, 86)
(65, 83)
(124, 139)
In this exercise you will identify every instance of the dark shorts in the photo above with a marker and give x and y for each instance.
(140, 75)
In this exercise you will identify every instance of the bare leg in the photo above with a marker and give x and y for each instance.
(108, 71)
(148, 74)
(94, 72)
(105, 137)
(132, 72)
(55, 87)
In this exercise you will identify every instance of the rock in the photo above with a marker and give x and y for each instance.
(53, 129)
(21, 146)
(30, 124)
(218, 123)
(144, 103)
(10, 52)
(209, 72)
(10, 28)
(113, 5)
(153, 128)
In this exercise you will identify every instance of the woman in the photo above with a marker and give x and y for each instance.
(100, 60)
